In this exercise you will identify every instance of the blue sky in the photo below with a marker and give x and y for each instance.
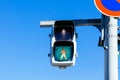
(24, 46)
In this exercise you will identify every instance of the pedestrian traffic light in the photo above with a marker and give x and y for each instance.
(63, 51)
(64, 30)
(63, 54)
(63, 44)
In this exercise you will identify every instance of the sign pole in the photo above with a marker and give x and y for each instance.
(111, 48)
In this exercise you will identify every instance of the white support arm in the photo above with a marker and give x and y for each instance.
(82, 22)
(46, 23)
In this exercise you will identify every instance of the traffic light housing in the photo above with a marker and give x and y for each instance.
(63, 44)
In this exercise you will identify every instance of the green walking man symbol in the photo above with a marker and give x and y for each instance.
(63, 54)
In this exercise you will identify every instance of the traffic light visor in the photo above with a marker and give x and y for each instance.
(64, 30)
(63, 52)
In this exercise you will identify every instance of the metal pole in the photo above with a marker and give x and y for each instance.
(111, 48)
